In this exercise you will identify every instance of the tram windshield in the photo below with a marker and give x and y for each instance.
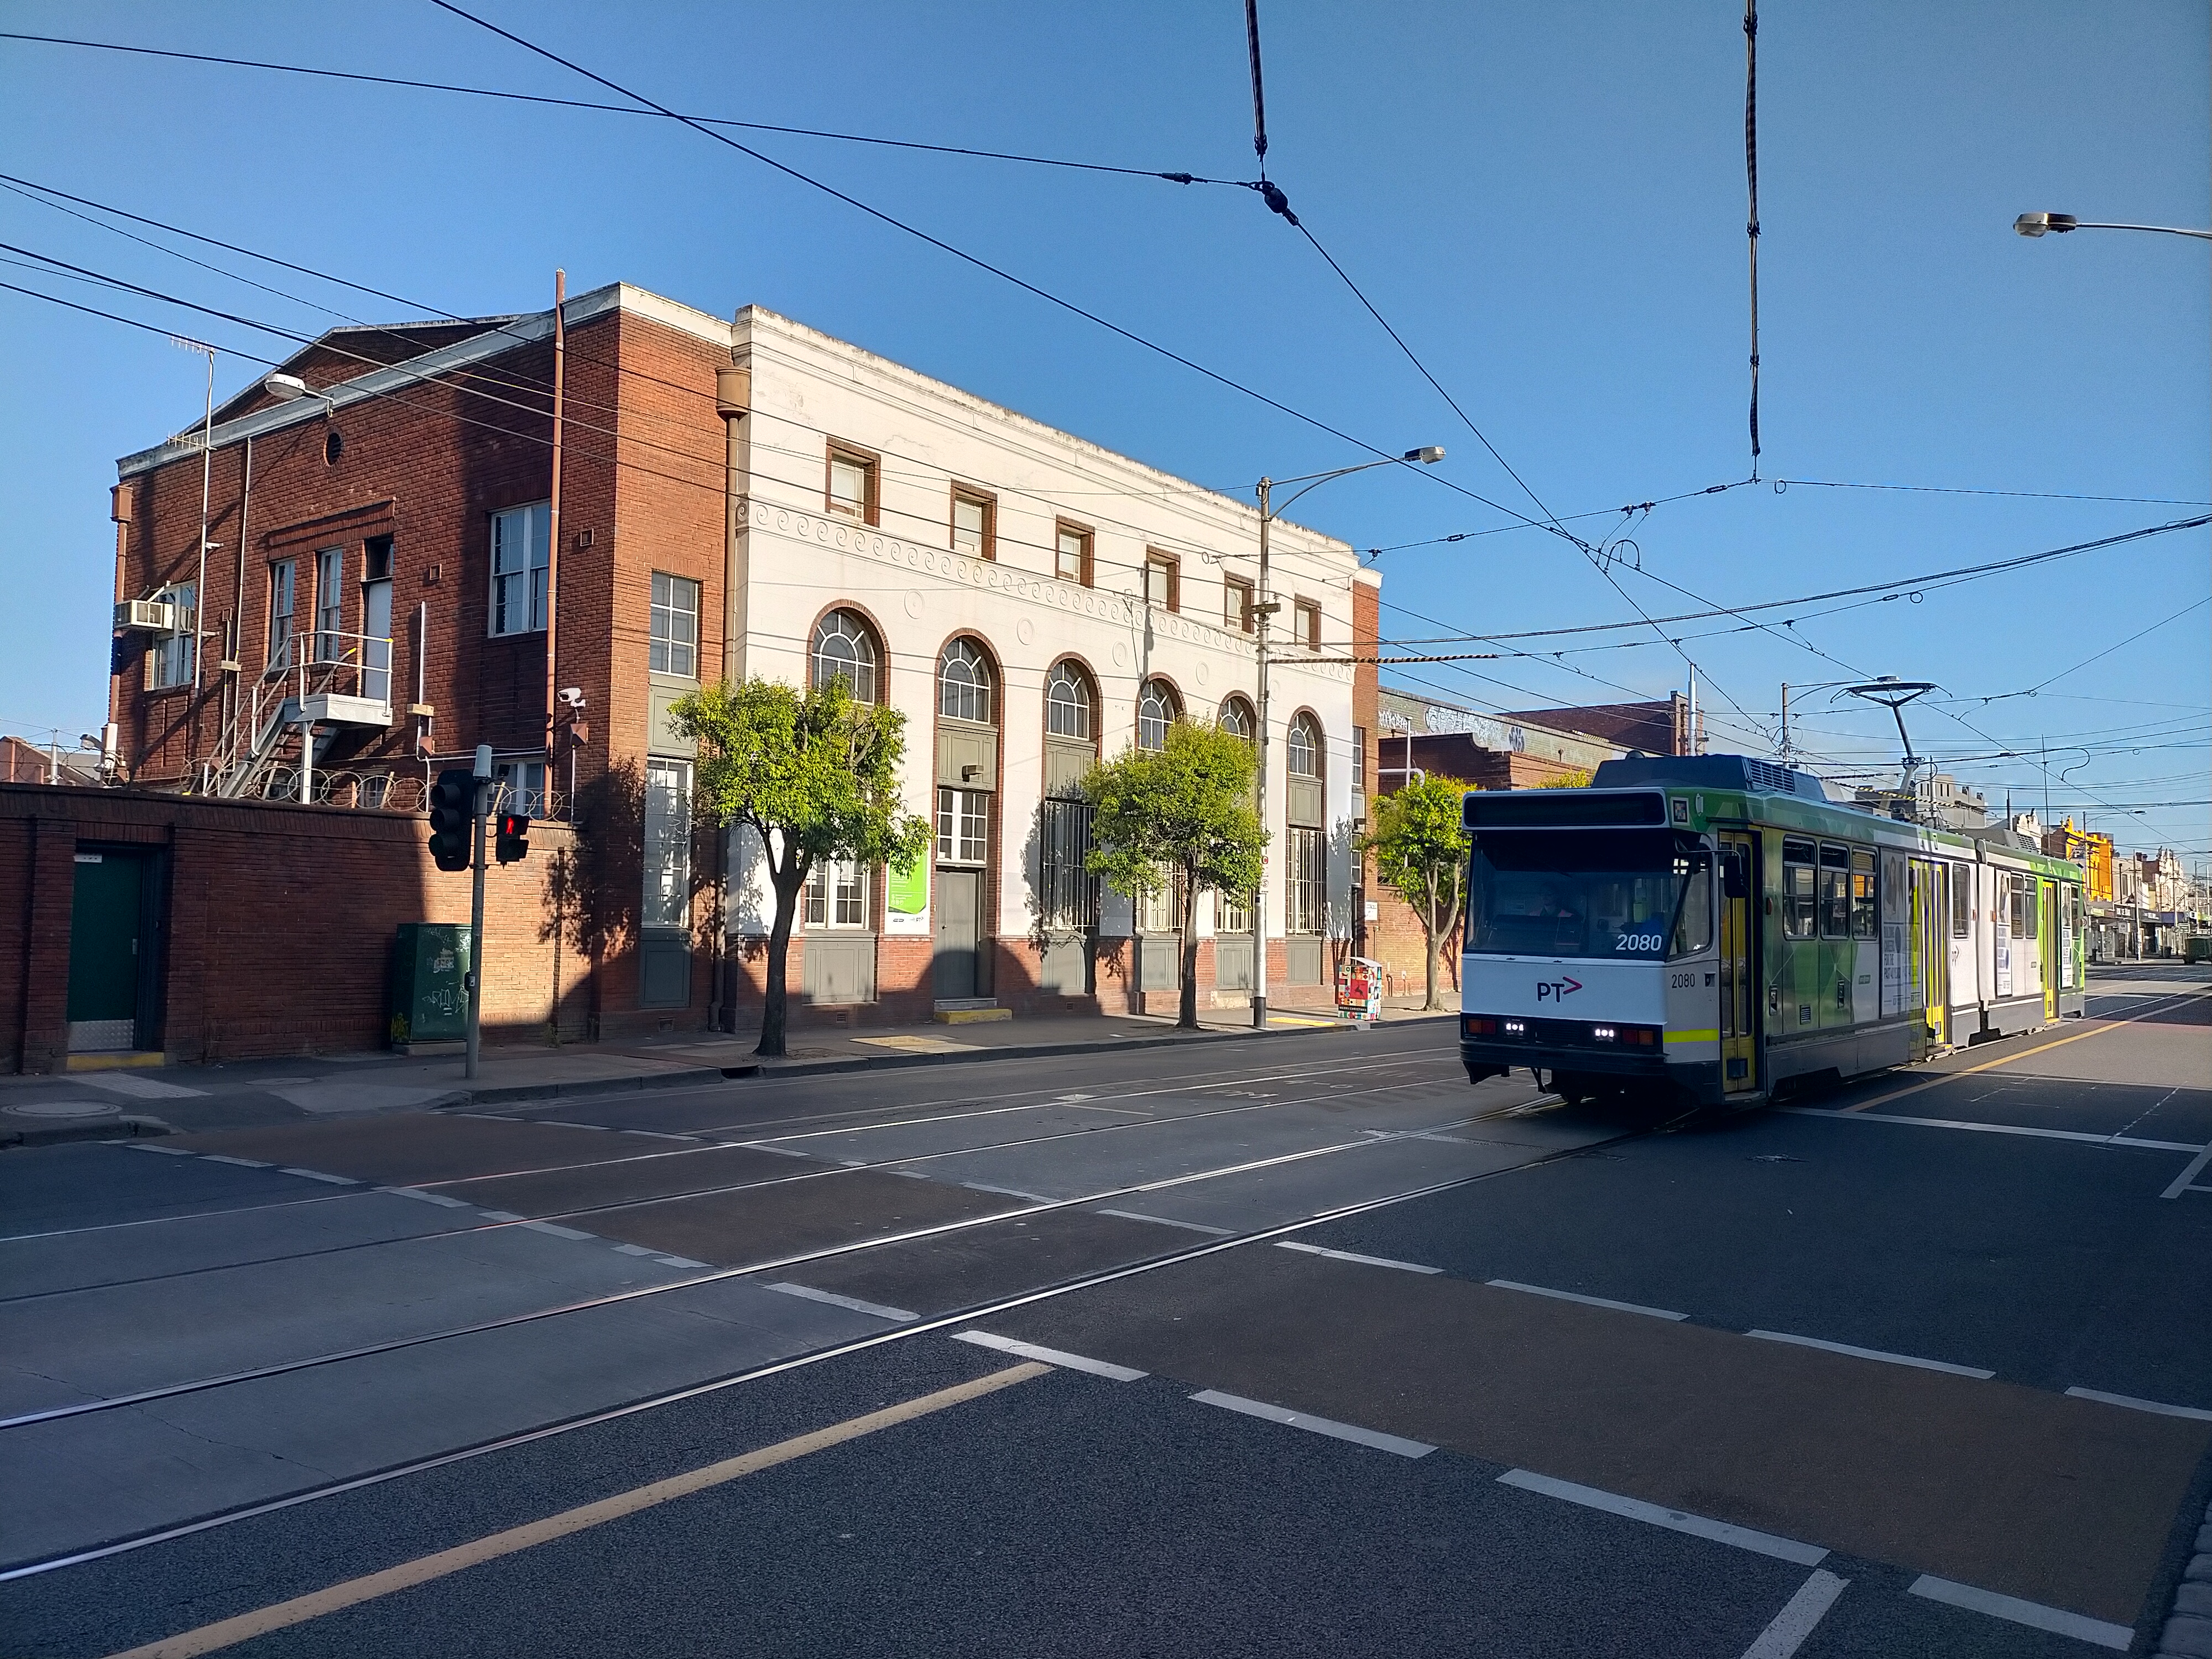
(1620, 895)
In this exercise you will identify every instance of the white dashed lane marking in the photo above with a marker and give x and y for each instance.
(1348, 1255)
(1335, 1431)
(1698, 1526)
(1914, 1360)
(1060, 1357)
(1167, 1221)
(2034, 1614)
(2133, 1404)
(1804, 1610)
(1587, 1301)
(873, 1309)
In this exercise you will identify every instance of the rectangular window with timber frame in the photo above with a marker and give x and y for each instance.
(1162, 580)
(1308, 621)
(1073, 555)
(852, 487)
(1236, 603)
(975, 523)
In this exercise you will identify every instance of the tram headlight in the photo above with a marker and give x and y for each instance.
(1603, 1033)
(1516, 1028)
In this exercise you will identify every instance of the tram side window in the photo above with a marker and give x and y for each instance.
(1864, 922)
(2028, 907)
(1797, 902)
(1693, 920)
(1962, 899)
(1835, 891)
(2014, 922)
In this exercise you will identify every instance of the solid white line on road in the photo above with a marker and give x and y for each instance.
(1998, 1129)
(2034, 1614)
(1974, 1371)
(438, 1199)
(873, 1309)
(242, 1163)
(1167, 1221)
(2183, 1181)
(1797, 1617)
(2135, 1404)
(1589, 1301)
(317, 1175)
(558, 1232)
(1720, 1532)
(229, 1632)
(1007, 1192)
(1065, 1361)
(1348, 1255)
(659, 1134)
(1358, 1437)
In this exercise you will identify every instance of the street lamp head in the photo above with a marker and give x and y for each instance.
(285, 388)
(1427, 457)
(2035, 224)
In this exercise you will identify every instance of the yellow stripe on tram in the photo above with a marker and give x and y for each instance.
(1693, 1036)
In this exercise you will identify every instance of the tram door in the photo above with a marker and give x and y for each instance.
(2047, 894)
(1739, 988)
(1932, 959)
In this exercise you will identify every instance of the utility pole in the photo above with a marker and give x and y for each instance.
(1263, 608)
(1785, 722)
(553, 536)
(479, 806)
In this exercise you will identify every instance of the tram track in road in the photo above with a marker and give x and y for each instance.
(688, 1195)
(774, 1264)
(924, 1326)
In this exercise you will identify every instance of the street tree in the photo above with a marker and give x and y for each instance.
(1420, 848)
(814, 774)
(1184, 814)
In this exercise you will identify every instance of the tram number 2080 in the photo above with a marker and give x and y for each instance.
(1636, 941)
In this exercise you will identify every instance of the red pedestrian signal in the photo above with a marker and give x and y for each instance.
(513, 837)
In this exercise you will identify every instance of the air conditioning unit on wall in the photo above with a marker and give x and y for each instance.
(147, 616)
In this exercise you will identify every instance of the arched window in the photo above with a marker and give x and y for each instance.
(1070, 706)
(845, 648)
(1237, 719)
(964, 684)
(1305, 747)
(1156, 710)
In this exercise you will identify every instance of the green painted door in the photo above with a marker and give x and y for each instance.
(104, 947)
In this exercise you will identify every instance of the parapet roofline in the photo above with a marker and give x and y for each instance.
(503, 334)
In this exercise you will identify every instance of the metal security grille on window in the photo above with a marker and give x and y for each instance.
(675, 625)
(848, 485)
(844, 648)
(520, 556)
(172, 660)
(970, 532)
(667, 844)
(964, 682)
(1068, 893)
(330, 605)
(963, 826)
(520, 787)
(1309, 889)
(1067, 703)
(1156, 712)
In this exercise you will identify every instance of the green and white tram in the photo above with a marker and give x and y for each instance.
(1713, 926)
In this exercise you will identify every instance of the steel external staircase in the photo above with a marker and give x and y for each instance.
(289, 700)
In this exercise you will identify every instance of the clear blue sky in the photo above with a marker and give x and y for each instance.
(1547, 201)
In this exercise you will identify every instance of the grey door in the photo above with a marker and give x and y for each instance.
(957, 908)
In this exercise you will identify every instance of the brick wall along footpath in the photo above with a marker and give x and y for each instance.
(280, 920)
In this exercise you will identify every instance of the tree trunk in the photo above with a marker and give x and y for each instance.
(1187, 1004)
(1431, 931)
(775, 1004)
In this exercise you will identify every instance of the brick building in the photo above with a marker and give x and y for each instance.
(382, 582)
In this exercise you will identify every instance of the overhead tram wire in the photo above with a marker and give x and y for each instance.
(1173, 178)
(966, 258)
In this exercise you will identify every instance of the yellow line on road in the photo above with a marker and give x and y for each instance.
(228, 1632)
(1991, 1065)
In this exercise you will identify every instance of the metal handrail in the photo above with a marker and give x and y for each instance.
(299, 669)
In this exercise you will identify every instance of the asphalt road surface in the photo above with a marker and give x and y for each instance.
(1294, 1347)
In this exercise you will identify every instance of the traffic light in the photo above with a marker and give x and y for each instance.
(452, 808)
(513, 837)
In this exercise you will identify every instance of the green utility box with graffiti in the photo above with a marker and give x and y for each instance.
(429, 997)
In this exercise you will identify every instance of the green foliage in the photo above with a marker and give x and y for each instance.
(815, 773)
(1185, 807)
(1421, 849)
(1567, 781)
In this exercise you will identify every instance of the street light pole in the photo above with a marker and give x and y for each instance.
(1264, 607)
(2044, 224)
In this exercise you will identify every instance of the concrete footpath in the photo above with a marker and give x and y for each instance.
(106, 1104)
